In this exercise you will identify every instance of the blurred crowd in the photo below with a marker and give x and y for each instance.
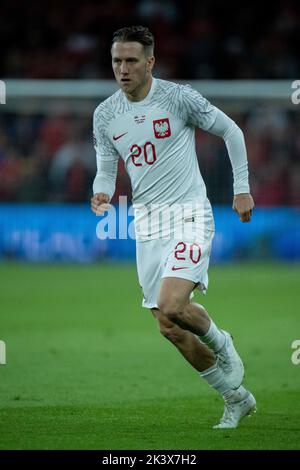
(51, 159)
(206, 39)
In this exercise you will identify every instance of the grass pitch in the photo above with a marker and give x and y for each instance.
(87, 369)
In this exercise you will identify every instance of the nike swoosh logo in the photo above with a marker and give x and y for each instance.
(116, 137)
(176, 269)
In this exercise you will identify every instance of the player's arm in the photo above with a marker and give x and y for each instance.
(107, 167)
(104, 184)
(234, 140)
(198, 111)
(103, 189)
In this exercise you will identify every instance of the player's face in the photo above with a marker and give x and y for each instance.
(132, 68)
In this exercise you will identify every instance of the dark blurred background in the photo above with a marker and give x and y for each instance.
(205, 39)
(46, 152)
(48, 157)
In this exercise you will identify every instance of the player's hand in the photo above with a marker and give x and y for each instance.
(243, 204)
(100, 203)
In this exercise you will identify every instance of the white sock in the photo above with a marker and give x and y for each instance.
(214, 377)
(214, 338)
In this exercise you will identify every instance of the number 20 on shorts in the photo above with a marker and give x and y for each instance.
(193, 249)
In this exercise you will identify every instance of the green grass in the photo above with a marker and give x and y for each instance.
(87, 369)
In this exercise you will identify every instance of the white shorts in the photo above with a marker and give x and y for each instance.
(186, 258)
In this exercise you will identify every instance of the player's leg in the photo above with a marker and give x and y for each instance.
(150, 266)
(186, 265)
(195, 352)
(174, 303)
(204, 361)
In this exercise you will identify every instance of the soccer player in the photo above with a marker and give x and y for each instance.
(151, 124)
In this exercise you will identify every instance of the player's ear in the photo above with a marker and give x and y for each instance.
(150, 63)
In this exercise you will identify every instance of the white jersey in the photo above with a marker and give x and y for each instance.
(155, 138)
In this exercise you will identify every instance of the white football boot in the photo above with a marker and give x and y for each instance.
(230, 363)
(235, 411)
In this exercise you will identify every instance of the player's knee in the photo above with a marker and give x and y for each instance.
(172, 333)
(172, 310)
